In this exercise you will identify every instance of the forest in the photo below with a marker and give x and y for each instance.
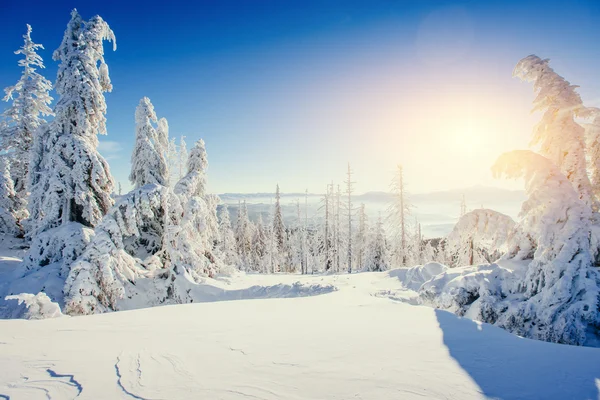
(90, 248)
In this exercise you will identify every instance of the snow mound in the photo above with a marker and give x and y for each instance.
(472, 291)
(148, 292)
(413, 278)
(480, 236)
(61, 245)
(38, 306)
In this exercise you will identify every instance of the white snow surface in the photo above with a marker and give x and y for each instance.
(357, 342)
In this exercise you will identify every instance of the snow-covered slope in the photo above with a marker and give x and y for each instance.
(353, 343)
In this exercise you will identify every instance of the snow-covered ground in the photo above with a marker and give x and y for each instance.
(365, 340)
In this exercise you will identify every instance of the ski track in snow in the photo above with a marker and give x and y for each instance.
(120, 384)
(72, 380)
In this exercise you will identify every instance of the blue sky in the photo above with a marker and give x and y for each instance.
(288, 92)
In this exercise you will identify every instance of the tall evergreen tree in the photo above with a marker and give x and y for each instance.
(349, 191)
(70, 181)
(243, 236)
(227, 245)
(377, 252)
(30, 104)
(9, 202)
(561, 139)
(148, 164)
(278, 225)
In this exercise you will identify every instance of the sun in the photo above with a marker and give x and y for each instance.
(466, 137)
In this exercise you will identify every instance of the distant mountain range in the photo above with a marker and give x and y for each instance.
(485, 194)
(436, 211)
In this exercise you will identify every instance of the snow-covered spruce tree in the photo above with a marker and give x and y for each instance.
(592, 131)
(377, 258)
(183, 156)
(148, 164)
(479, 237)
(278, 225)
(429, 253)
(173, 162)
(561, 139)
(244, 231)
(30, 104)
(227, 246)
(349, 210)
(190, 244)
(260, 247)
(124, 249)
(560, 293)
(398, 214)
(10, 203)
(362, 236)
(327, 247)
(70, 181)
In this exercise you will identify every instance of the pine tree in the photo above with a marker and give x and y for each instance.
(173, 162)
(399, 212)
(148, 164)
(194, 182)
(362, 237)
(259, 246)
(70, 181)
(183, 156)
(243, 235)
(561, 290)
(278, 225)
(227, 244)
(377, 253)
(561, 139)
(328, 235)
(349, 191)
(193, 236)
(30, 103)
(9, 202)
(592, 131)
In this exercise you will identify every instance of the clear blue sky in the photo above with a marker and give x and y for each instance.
(289, 91)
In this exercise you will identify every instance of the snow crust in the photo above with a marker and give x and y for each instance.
(350, 343)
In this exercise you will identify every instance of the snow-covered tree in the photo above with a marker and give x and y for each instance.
(560, 138)
(10, 203)
(327, 237)
(260, 247)
(122, 251)
(192, 238)
(479, 237)
(227, 245)
(593, 149)
(377, 258)
(173, 162)
(429, 253)
(148, 164)
(183, 156)
(244, 231)
(30, 104)
(194, 183)
(278, 225)
(398, 214)
(362, 237)
(70, 181)
(561, 291)
(349, 209)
